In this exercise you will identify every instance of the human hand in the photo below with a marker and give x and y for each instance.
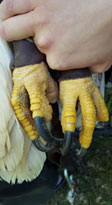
(72, 34)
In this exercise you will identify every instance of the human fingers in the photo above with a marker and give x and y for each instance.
(18, 27)
(10, 8)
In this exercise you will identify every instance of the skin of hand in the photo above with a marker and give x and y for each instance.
(72, 34)
(33, 82)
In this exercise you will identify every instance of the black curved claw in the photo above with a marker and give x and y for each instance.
(67, 143)
(44, 132)
(41, 147)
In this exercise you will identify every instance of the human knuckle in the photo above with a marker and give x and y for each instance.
(55, 62)
(44, 42)
(51, 62)
(39, 18)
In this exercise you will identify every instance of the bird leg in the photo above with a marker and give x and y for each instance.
(33, 83)
(77, 85)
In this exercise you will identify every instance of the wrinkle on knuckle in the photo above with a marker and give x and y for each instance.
(37, 20)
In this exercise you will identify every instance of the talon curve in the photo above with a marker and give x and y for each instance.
(43, 131)
(41, 147)
(67, 143)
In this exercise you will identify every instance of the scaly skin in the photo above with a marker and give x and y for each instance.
(32, 82)
(92, 107)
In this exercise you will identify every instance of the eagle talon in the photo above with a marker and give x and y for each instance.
(43, 131)
(41, 147)
(92, 107)
(67, 143)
